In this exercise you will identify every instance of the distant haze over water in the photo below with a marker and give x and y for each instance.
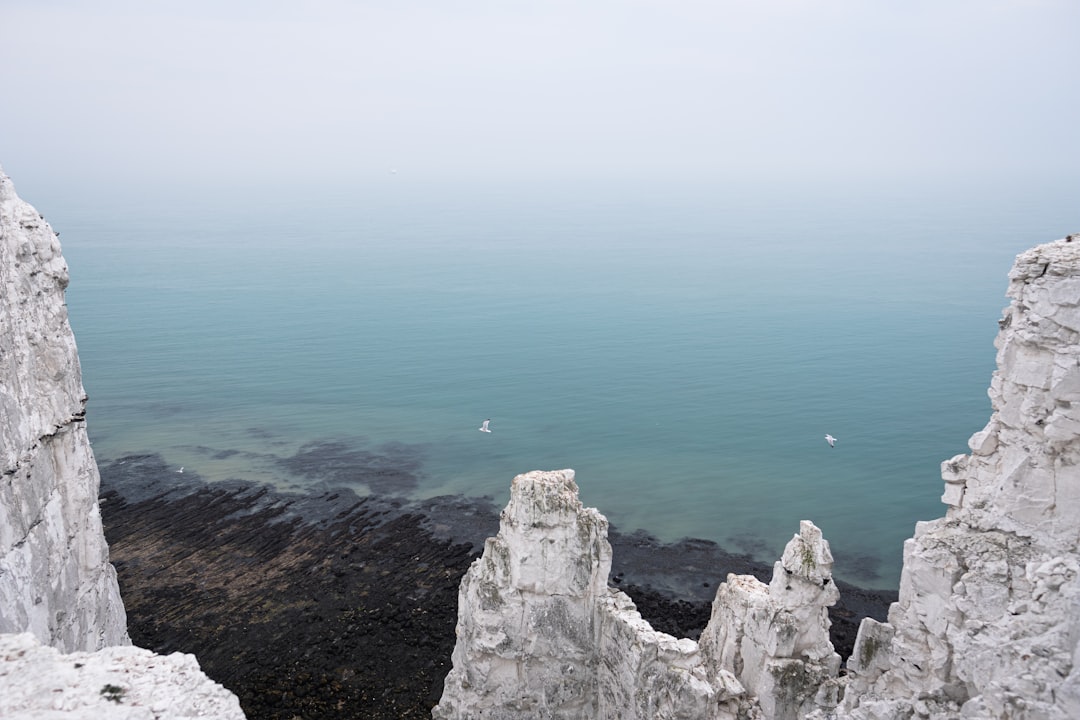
(684, 348)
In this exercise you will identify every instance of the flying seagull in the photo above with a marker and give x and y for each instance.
(831, 440)
(484, 427)
(181, 469)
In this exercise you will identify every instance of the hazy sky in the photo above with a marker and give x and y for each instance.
(239, 90)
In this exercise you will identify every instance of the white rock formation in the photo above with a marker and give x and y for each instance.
(121, 682)
(58, 591)
(775, 637)
(55, 576)
(540, 635)
(526, 624)
(988, 618)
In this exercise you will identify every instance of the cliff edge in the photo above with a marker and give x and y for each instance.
(55, 578)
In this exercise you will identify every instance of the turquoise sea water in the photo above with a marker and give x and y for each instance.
(684, 350)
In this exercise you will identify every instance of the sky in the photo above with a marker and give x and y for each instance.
(222, 92)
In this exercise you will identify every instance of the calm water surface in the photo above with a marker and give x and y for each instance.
(684, 351)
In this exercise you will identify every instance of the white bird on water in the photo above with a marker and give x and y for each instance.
(484, 427)
(181, 469)
(830, 439)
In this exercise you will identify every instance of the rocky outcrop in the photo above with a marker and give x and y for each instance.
(55, 578)
(36, 681)
(988, 619)
(987, 625)
(775, 637)
(541, 635)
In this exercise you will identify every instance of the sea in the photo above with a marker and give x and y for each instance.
(684, 347)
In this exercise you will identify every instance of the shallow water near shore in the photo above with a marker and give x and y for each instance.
(684, 352)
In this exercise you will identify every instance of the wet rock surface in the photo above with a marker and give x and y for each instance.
(332, 605)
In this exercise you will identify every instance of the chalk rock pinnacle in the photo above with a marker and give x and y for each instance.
(526, 626)
(55, 576)
(540, 635)
(988, 618)
(775, 637)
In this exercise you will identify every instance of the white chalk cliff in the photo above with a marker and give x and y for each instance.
(987, 625)
(55, 578)
(57, 587)
(988, 618)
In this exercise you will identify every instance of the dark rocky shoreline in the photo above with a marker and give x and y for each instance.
(333, 605)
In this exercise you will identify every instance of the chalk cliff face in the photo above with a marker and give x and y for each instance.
(988, 618)
(987, 625)
(55, 576)
(57, 587)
